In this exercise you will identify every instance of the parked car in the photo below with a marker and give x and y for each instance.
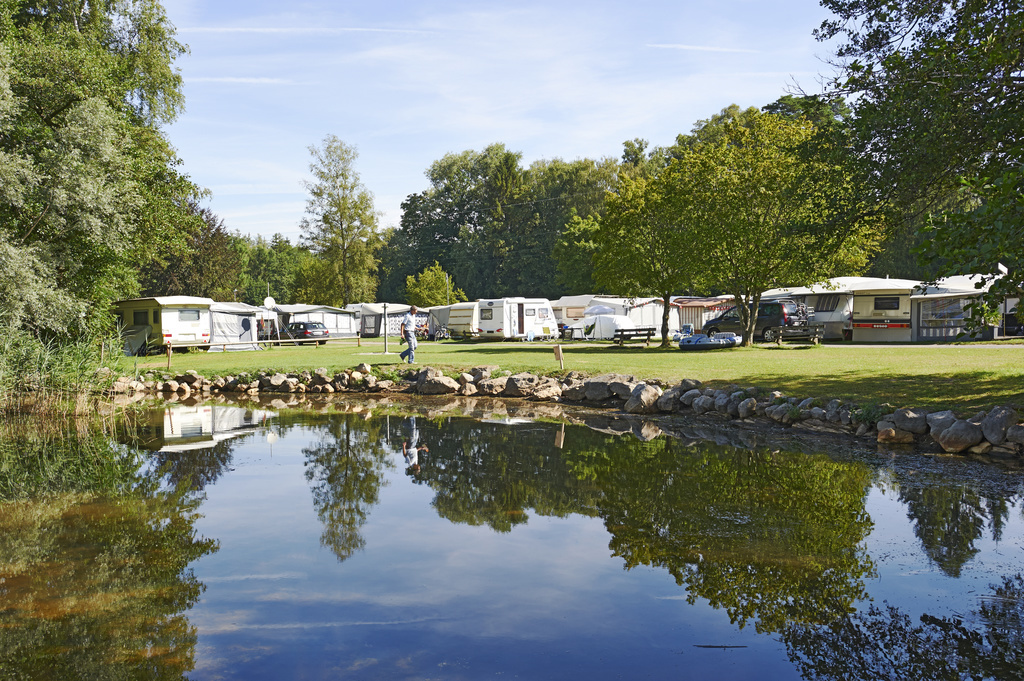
(771, 315)
(312, 332)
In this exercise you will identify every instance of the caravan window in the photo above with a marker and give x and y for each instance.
(156, 316)
(887, 303)
(827, 303)
(574, 312)
(486, 315)
(542, 313)
(140, 317)
(188, 315)
(531, 312)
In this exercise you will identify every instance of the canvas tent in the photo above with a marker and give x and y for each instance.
(233, 327)
(340, 323)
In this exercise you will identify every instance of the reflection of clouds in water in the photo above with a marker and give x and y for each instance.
(240, 578)
(227, 628)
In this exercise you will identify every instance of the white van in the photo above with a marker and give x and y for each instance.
(522, 318)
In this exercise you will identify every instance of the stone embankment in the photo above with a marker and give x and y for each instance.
(996, 433)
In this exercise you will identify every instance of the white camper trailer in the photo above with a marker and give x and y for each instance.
(152, 323)
(464, 320)
(523, 318)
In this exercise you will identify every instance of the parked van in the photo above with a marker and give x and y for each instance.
(523, 318)
(771, 315)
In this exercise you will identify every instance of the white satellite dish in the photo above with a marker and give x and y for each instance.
(269, 302)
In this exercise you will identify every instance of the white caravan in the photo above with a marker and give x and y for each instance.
(151, 323)
(523, 318)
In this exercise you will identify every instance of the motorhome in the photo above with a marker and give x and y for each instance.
(149, 324)
(522, 318)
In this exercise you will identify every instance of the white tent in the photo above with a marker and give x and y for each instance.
(340, 323)
(233, 327)
(602, 327)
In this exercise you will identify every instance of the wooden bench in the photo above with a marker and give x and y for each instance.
(624, 335)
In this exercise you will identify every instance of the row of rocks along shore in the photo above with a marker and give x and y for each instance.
(997, 433)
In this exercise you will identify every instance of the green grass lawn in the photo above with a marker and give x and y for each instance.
(964, 377)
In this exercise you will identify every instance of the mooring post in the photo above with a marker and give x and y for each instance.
(168, 355)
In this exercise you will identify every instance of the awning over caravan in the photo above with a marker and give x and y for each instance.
(233, 327)
(339, 322)
(962, 286)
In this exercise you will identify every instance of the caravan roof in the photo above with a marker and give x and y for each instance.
(844, 285)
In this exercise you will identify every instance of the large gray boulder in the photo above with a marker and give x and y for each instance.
(1015, 434)
(575, 390)
(747, 408)
(438, 385)
(689, 396)
(939, 421)
(669, 400)
(623, 387)
(599, 388)
(426, 373)
(960, 436)
(548, 389)
(703, 404)
(521, 385)
(482, 372)
(996, 423)
(492, 386)
(911, 420)
(643, 399)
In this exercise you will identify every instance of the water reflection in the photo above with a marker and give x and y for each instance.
(98, 547)
(885, 643)
(345, 467)
(94, 564)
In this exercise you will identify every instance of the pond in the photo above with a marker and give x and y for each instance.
(215, 541)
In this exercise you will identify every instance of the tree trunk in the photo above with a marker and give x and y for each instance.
(664, 319)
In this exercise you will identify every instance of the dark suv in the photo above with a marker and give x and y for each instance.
(313, 332)
(771, 315)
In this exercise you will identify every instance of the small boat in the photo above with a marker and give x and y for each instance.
(716, 341)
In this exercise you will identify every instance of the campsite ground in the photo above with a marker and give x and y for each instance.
(961, 376)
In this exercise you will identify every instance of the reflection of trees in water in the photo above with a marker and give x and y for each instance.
(492, 474)
(884, 643)
(197, 468)
(769, 536)
(345, 468)
(94, 565)
(949, 518)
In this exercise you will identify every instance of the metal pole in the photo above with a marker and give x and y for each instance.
(384, 323)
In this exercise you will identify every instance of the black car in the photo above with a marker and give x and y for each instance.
(771, 315)
(313, 332)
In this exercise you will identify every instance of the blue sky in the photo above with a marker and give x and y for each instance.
(407, 82)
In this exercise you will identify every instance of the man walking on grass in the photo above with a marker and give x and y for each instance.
(408, 332)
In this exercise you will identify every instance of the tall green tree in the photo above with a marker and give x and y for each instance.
(340, 224)
(432, 286)
(938, 105)
(645, 247)
(92, 188)
(768, 206)
(207, 265)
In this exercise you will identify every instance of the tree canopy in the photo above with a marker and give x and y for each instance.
(90, 185)
(938, 107)
(339, 227)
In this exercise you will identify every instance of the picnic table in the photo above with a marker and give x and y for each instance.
(624, 335)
